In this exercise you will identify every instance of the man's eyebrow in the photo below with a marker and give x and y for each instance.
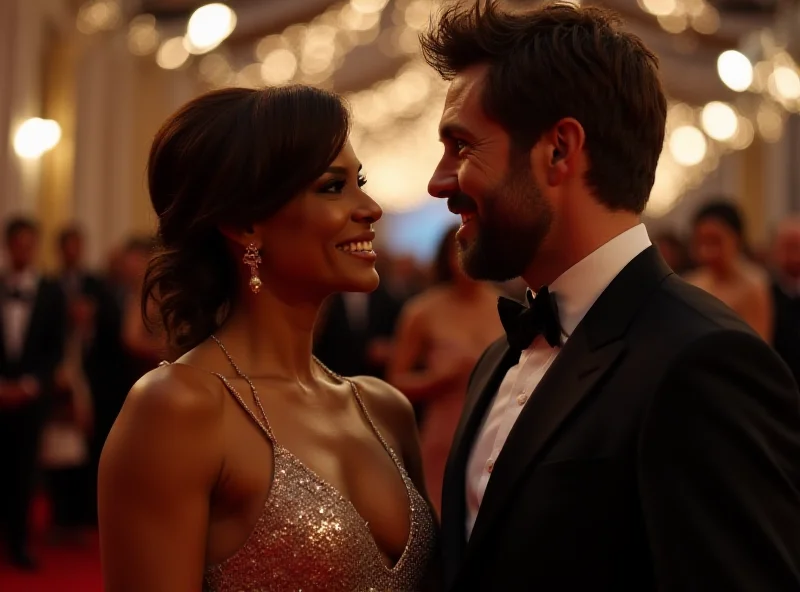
(450, 130)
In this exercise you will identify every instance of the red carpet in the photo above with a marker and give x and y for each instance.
(61, 569)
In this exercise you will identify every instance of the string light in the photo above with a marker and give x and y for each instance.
(395, 120)
(677, 16)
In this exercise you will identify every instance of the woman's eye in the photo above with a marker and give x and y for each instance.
(362, 180)
(333, 187)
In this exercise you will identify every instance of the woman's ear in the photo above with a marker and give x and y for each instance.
(241, 236)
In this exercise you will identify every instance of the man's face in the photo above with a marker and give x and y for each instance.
(22, 248)
(505, 217)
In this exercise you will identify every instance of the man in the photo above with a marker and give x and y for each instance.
(630, 433)
(32, 326)
(786, 294)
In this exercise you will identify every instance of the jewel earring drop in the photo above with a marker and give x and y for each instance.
(252, 258)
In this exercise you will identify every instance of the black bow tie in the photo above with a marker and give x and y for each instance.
(523, 323)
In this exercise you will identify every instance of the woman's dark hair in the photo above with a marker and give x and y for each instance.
(557, 61)
(229, 158)
(442, 264)
(725, 212)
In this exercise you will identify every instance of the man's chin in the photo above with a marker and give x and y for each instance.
(479, 266)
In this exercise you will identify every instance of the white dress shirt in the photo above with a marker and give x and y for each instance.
(576, 290)
(16, 313)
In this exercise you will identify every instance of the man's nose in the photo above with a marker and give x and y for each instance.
(444, 181)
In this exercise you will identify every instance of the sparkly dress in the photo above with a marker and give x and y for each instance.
(310, 538)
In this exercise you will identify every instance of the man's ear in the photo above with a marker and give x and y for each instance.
(562, 145)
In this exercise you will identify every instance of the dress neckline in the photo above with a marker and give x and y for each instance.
(279, 449)
(267, 429)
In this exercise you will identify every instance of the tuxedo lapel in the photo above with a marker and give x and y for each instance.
(591, 352)
(570, 379)
(488, 375)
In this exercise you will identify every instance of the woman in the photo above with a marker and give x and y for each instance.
(724, 272)
(246, 465)
(441, 334)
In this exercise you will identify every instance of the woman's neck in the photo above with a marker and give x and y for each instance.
(269, 336)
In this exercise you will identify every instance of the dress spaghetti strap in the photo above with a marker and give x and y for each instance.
(262, 423)
(310, 536)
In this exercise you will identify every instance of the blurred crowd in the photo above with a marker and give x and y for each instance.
(72, 346)
(74, 342)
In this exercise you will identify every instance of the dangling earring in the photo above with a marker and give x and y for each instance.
(252, 259)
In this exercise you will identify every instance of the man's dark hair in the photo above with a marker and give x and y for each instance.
(558, 61)
(20, 224)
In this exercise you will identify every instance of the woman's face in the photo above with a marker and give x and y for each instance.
(714, 244)
(321, 241)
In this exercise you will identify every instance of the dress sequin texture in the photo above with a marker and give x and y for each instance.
(310, 538)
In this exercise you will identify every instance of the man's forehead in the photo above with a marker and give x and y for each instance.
(464, 95)
(465, 86)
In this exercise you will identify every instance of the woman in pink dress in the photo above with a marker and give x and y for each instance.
(441, 334)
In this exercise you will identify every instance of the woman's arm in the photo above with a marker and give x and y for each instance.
(158, 468)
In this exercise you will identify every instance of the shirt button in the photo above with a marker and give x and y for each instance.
(489, 466)
(522, 399)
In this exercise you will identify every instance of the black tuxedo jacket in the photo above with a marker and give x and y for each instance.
(44, 339)
(661, 451)
(786, 328)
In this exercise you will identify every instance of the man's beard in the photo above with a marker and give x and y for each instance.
(514, 221)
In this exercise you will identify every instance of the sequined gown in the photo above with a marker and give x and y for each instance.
(310, 538)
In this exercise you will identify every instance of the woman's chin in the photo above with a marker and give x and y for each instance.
(362, 282)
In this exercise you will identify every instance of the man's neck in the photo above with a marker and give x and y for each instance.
(562, 250)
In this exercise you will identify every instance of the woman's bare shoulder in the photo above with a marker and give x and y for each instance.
(167, 438)
(756, 276)
(389, 406)
(177, 390)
